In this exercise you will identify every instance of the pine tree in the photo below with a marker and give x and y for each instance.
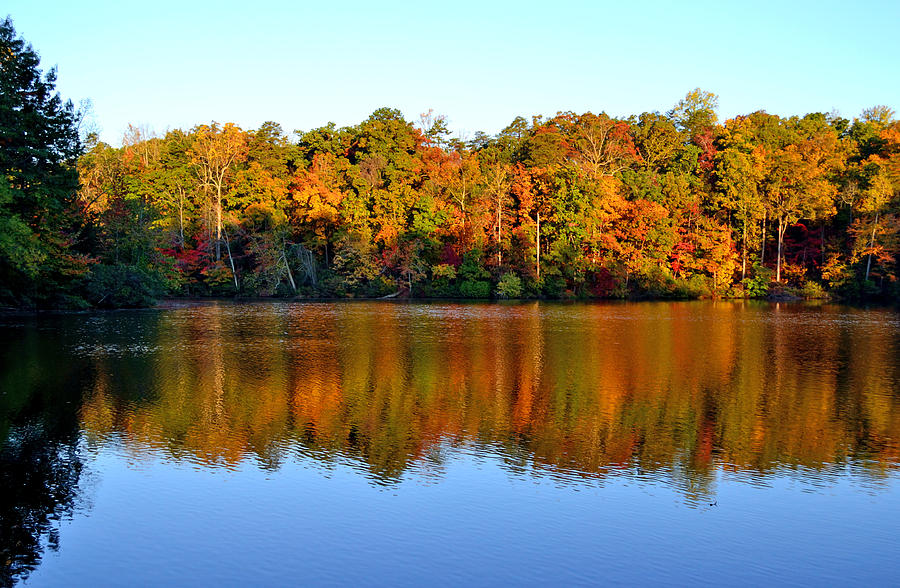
(39, 145)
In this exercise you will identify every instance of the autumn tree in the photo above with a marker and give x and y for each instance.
(175, 193)
(739, 174)
(214, 152)
(603, 145)
(875, 203)
(696, 112)
(572, 205)
(798, 183)
(497, 182)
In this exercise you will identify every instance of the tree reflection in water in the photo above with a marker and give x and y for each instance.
(39, 476)
(674, 393)
(40, 465)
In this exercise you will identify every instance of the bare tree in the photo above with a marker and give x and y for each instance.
(142, 141)
(603, 144)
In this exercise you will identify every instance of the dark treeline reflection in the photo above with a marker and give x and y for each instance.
(679, 389)
(40, 467)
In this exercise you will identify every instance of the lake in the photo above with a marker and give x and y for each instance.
(374, 443)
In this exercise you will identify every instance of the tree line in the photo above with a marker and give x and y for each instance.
(674, 204)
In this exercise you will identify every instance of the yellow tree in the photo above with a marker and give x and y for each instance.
(214, 153)
(875, 200)
(798, 184)
(739, 174)
(463, 184)
(317, 203)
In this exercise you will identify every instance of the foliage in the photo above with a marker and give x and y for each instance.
(39, 220)
(812, 291)
(120, 285)
(757, 286)
(575, 205)
(475, 289)
(509, 286)
(662, 206)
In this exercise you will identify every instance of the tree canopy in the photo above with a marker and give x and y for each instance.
(38, 178)
(679, 204)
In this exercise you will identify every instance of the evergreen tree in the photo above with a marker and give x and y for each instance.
(39, 145)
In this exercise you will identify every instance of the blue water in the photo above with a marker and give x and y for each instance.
(415, 465)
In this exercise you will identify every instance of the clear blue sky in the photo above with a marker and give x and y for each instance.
(170, 64)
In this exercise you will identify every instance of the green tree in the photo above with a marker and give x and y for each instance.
(738, 176)
(38, 192)
(696, 112)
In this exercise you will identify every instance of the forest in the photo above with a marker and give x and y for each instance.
(674, 204)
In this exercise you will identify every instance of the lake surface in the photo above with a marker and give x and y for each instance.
(383, 443)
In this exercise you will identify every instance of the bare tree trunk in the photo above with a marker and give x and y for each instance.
(780, 239)
(287, 266)
(762, 252)
(744, 253)
(207, 220)
(871, 244)
(538, 246)
(308, 262)
(499, 234)
(219, 223)
(231, 260)
(181, 214)
(823, 243)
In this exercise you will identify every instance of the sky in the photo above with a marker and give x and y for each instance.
(174, 64)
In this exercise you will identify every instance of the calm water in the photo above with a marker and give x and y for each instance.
(382, 443)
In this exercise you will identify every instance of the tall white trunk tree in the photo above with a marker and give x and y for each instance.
(214, 152)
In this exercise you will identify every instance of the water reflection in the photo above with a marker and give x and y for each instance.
(680, 389)
(678, 393)
(40, 467)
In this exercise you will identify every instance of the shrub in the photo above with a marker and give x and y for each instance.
(443, 270)
(696, 286)
(758, 285)
(509, 286)
(472, 267)
(442, 284)
(442, 288)
(119, 285)
(475, 289)
(219, 280)
(655, 282)
(553, 286)
(812, 290)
